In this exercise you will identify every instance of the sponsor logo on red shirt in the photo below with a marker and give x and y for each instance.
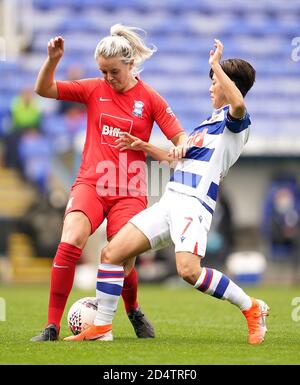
(111, 127)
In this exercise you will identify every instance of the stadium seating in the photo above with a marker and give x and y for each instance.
(183, 31)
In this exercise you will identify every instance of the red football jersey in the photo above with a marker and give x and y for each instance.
(108, 114)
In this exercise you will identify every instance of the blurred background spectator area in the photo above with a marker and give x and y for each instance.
(41, 139)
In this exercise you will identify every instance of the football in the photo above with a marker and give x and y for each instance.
(82, 314)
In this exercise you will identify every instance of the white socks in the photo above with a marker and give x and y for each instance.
(215, 283)
(110, 280)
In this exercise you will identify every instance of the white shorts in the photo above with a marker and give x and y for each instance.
(176, 217)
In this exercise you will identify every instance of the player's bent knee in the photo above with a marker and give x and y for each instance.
(111, 256)
(75, 239)
(105, 255)
(185, 272)
(188, 266)
(188, 272)
(76, 230)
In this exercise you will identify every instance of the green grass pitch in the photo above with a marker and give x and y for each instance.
(191, 328)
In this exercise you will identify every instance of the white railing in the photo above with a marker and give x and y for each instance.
(16, 23)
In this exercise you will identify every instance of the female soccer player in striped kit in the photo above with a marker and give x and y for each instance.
(120, 102)
(184, 213)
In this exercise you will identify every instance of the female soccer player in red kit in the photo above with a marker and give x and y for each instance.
(117, 103)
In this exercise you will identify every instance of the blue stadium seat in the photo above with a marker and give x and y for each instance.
(53, 125)
(183, 31)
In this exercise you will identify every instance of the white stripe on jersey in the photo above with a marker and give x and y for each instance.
(214, 147)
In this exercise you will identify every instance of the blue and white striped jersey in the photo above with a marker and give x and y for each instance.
(214, 147)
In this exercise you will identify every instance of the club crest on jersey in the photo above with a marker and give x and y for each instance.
(138, 108)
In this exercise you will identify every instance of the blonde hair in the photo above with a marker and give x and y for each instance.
(126, 43)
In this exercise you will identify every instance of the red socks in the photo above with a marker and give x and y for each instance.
(129, 292)
(62, 277)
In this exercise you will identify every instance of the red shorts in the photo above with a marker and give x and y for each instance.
(118, 210)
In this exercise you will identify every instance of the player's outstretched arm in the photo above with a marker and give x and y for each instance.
(45, 84)
(180, 147)
(130, 142)
(235, 98)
